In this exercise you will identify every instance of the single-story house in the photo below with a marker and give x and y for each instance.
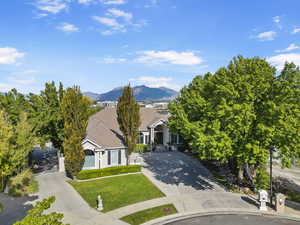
(104, 144)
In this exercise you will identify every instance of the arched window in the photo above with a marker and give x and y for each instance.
(89, 160)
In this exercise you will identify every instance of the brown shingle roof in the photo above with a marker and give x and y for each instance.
(103, 128)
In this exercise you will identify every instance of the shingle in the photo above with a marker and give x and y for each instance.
(103, 128)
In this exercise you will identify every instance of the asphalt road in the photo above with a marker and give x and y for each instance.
(235, 220)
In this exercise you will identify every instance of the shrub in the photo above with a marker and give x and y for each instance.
(89, 174)
(23, 184)
(141, 148)
(37, 216)
(262, 180)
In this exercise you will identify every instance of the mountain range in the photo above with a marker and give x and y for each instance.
(141, 93)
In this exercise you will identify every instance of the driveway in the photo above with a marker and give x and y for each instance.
(176, 173)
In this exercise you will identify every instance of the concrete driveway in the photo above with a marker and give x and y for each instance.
(176, 173)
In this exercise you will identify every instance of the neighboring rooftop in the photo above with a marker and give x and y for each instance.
(103, 128)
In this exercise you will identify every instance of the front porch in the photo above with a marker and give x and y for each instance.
(158, 137)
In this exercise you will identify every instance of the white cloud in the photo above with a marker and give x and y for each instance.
(85, 2)
(288, 49)
(10, 55)
(277, 21)
(23, 81)
(177, 58)
(113, 2)
(296, 30)
(266, 36)
(119, 13)
(67, 27)
(111, 60)
(110, 22)
(155, 82)
(51, 6)
(279, 60)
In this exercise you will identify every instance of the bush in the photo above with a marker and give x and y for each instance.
(262, 180)
(37, 216)
(89, 174)
(22, 184)
(140, 148)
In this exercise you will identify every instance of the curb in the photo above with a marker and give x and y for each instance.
(180, 216)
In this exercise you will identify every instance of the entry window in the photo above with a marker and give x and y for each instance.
(89, 159)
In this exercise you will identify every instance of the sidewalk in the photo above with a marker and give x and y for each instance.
(76, 211)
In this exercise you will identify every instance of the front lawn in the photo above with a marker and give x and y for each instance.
(149, 214)
(118, 191)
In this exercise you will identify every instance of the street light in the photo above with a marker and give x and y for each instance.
(272, 149)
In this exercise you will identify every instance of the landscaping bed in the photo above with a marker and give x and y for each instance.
(89, 174)
(149, 214)
(1, 207)
(118, 191)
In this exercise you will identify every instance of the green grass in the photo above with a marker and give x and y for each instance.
(149, 214)
(117, 192)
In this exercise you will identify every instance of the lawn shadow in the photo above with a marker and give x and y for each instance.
(177, 168)
(15, 208)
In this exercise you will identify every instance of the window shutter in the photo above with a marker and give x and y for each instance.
(120, 151)
(109, 158)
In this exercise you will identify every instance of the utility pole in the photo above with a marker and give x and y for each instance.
(271, 170)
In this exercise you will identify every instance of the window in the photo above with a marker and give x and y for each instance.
(114, 157)
(141, 139)
(89, 160)
(173, 138)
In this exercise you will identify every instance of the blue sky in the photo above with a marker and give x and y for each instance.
(102, 44)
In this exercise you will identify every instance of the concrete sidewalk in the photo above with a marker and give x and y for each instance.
(199, 202)
(76, 211)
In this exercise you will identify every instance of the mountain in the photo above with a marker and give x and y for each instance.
(141, 93)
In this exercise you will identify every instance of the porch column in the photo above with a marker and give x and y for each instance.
(152, 135)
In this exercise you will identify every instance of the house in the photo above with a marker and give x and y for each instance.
(104, 144)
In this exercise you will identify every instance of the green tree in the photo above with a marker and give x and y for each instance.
(46, 116)
(37, 216)
(75, 109)
(239, 112)
(14, 103)
(15, 145)
(128, 115)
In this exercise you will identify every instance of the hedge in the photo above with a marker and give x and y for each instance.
(89, 174)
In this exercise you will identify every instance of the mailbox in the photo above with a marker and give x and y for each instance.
(263, 198)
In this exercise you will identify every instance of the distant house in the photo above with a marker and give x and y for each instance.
(104, 144)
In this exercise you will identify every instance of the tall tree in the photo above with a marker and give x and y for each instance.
(239, 112)
(16, 142)
(46, 115)
(128, 115)
(75, 109)
(14, 103)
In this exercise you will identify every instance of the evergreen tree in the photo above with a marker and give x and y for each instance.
(75, 109)
(128, 115)
(239, 112)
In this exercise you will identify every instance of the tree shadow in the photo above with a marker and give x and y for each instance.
(119, 136)
(15, 208)
(250, 200)
(177, 168)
